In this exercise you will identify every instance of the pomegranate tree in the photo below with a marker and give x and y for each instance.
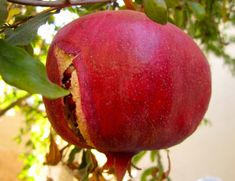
(134, 84)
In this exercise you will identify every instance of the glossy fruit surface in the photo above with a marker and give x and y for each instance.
(135, 85)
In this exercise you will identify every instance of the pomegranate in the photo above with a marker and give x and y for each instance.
(135, 84)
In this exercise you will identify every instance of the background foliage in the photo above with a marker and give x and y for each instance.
(23, 52)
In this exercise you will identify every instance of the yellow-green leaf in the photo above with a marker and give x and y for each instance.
(12, 12)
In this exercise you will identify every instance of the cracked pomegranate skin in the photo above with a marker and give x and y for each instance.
(140, 85)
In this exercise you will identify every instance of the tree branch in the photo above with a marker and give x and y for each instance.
(63, 3)
(13, 104)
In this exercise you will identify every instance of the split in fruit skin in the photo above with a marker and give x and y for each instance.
(69, 104)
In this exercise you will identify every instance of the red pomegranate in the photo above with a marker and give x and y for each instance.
(135, 84)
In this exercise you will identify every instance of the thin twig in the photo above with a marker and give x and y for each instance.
(63, 3)
(169, 164)
(13, 104)
(53, 10)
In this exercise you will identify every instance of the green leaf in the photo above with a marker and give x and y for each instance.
(197, 9)
(84, 161)
(172, 3)
(156, 10)
(139, 1)
(138, 157)
(3, 11)
(19, 69)
(148, 173)
(26, 32)
(206, 122)
(73, 153)
(153, 155)
(180, 18)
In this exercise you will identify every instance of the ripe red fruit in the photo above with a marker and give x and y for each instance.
(135, 85)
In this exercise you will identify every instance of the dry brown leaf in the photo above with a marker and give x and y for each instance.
(54, 156)
(49, 179)
(96, 176)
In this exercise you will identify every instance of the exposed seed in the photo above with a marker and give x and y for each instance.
(68, 100)
(67, 73)
(70, 105)
(67, 84)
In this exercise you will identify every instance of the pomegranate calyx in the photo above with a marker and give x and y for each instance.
(119, 162)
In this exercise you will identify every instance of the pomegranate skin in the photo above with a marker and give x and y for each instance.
(141, 85)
